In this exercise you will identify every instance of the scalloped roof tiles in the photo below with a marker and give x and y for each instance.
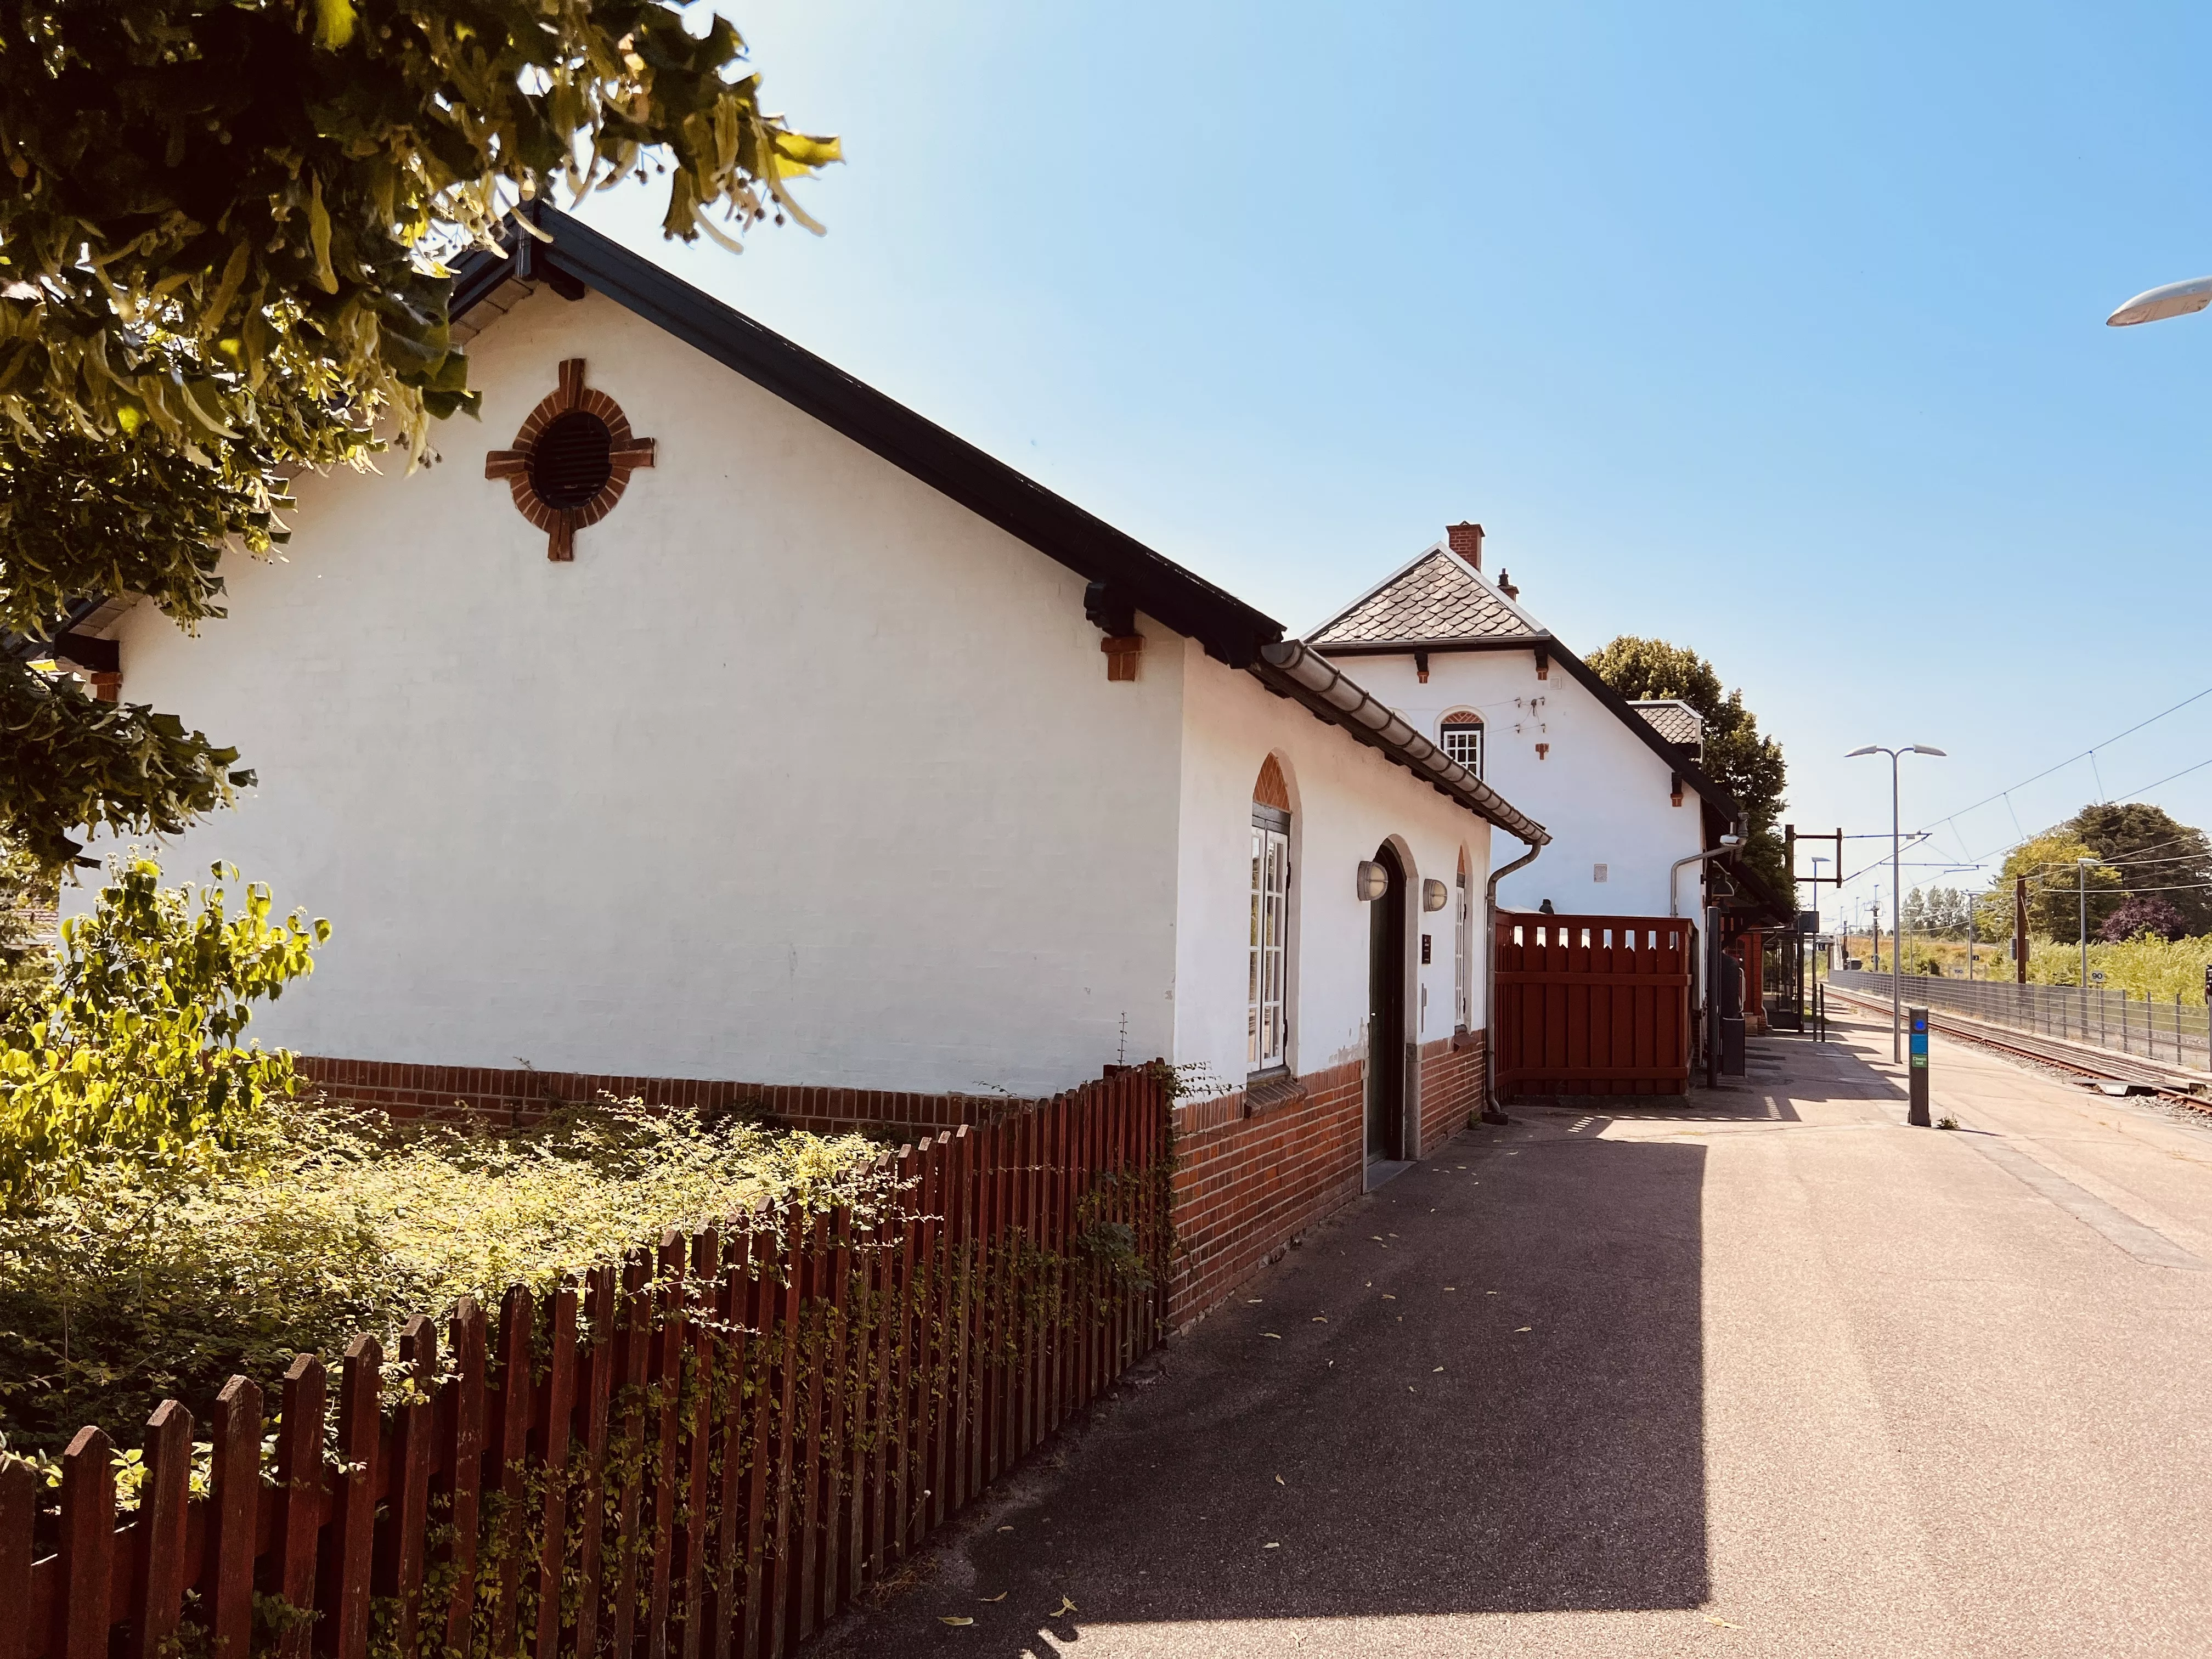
(1435, 597)
(1673, 719)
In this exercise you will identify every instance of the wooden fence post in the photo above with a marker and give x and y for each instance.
(88, 1543)
(463, 1429)
(299, 1475)
(598, 1397)
(698, 1429)
(510, 1445)
(667, 1408)
(233, 1515)
(550, 1447)
(160, 1532)
(410, 1497)
(636, 1352)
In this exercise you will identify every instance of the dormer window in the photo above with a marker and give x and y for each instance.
(1461, 740)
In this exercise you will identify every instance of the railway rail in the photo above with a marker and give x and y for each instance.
(2180, 1088)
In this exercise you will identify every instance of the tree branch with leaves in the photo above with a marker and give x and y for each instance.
(224, 237)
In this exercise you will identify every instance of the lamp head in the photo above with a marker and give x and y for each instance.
(1867, 749)
(1925, 749)
(2174, 300)
(1731, 841)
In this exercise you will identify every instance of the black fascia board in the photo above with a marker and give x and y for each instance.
(1708, 791)
(23, 648)
(1229, 628)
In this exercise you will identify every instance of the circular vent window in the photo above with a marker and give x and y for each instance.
(572, 460)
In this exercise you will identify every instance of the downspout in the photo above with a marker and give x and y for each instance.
(1728, 844)
(1490, 1113)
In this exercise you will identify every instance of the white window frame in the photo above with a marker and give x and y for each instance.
(1451, 737)
(1266, 993)
(1462, 956)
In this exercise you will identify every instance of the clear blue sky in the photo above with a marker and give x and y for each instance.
(1773, 330)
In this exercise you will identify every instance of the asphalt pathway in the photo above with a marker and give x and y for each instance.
(1770, 1375)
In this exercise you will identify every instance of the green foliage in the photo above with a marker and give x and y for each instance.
(2152, 850)
(2143, 966)
(1940, 913)
(131, 1060)
(1748, 766)
(318, 1224)
(26, 962)
(68, 759)
(256, 188)
(221, 229)
(2050, 863)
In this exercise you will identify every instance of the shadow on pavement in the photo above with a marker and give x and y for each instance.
(1378, 1434)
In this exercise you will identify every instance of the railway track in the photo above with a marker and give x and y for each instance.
(2136, 1073)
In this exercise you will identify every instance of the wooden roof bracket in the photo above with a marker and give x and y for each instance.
(1543, 663)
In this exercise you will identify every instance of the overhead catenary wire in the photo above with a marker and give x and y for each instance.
(2089, 753)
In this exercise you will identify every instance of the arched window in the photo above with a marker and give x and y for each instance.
(1461, 738)
(1462, 947)
(1267, 1022)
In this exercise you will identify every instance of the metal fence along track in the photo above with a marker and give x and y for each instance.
(2097, 1018)
(2174, 1080)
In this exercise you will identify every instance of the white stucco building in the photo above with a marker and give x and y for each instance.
(1618, 783)
(706, 715)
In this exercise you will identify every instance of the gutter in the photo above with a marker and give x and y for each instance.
(1293, 669)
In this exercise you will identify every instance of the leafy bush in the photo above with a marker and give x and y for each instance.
(2146, 914)
(2145, 965)
(317, 1224)
(130, 1056)
(26, 964)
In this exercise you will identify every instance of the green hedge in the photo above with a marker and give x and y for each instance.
(133, 1286)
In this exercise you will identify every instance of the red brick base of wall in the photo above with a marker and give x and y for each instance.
(1451, 1086)
(490, 1094)
(1256, 1168)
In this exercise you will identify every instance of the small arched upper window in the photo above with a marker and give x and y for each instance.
(1463, 739)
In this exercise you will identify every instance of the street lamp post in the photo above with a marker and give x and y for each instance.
(1896, 888)
(2081, 901)
(1809, 950)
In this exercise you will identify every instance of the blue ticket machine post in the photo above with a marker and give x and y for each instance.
(1915, 1020)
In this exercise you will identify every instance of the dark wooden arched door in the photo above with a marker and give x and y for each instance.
(1386, 1011)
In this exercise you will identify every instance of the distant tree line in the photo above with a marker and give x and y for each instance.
(2134, 868)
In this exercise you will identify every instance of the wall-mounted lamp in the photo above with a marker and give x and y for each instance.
(1374, 881)
(1435, 895)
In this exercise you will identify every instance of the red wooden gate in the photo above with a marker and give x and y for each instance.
(1592, 1005)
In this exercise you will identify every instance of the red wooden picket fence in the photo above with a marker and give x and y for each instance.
(741, 1431)
(1593, 1005)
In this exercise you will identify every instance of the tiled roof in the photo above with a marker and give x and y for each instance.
(1673, 720)
(1435, 597)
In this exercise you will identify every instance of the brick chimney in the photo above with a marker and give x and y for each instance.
(1505, 585)
(1466, 541)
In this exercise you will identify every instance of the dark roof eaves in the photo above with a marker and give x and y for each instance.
(1229, 628)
